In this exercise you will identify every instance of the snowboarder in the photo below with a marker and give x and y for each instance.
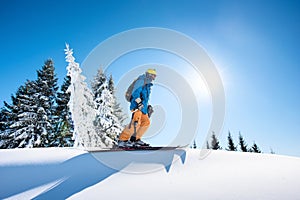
(141, 111)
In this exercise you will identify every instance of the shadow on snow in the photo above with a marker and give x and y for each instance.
(77, 173)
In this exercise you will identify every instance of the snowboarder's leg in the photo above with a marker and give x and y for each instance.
(143, 126)
(126, 134)
(129, 129)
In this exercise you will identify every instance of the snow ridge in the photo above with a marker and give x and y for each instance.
(75, 174)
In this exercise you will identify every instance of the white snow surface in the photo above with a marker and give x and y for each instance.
(69, 173)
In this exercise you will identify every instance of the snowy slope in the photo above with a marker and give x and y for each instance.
(61, 173)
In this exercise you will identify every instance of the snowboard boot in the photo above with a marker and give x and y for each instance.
(124, 144)
(140, 143)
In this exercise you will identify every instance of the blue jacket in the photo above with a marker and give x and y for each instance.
(141, 89)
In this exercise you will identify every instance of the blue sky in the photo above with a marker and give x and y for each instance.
(254, 44)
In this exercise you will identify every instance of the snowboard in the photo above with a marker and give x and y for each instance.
(140, 148)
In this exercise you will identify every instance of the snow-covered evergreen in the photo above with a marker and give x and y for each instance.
(46, 87)
(5, 122)
(64, 127)
(82, 107)
(9, 115)
(31, 115)
(39, 116)
(106, 120)
(118, 111)
(30, 127)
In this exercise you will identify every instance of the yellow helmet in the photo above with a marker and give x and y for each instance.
(151, 71)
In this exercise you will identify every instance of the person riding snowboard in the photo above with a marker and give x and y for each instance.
(138, 97)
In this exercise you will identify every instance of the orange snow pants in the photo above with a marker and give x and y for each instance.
(143, 123)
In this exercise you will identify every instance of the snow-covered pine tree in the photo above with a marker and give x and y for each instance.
(5, 122)
(231, 145)
(9, 115)
(106, 121)
(98, 81)
(46, 88)
(30, 127)
(111, 84)
(31, 113)
(214, 142)
(242, 143)
(64, 127)
(82, 107)
(3, 119)
(118, 111)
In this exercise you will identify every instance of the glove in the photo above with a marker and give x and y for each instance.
(139, 103)
(150, 110)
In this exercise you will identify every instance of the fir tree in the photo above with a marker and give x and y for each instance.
(117, 110)
(30, 126)
(9, 115)
(111, 84)
(255, 148)
(214, 142)
(272, 151)
(46, 88)
(98, 81)
(207, 145)
(231, 146)
(64, 127)
(82, 107)
(242, 143)
(106, 120)
(5, 121)
(194, 145)
(32, 110)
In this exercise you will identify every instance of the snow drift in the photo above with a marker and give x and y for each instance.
(62, 173)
